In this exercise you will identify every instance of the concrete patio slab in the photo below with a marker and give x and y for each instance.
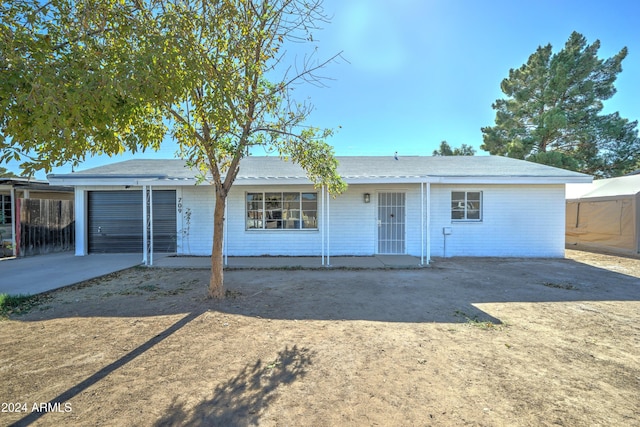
(367, 262)
(37, 274)
(42, 273)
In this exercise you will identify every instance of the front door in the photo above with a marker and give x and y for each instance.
(391, 223)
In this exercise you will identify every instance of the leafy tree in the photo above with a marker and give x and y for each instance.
(5, 173)
(552, 113)
(107, 76)
(446, 150)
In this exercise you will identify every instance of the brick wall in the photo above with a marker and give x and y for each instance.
(195, 219)
(518, 220)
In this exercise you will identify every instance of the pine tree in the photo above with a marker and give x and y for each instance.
(552, 112)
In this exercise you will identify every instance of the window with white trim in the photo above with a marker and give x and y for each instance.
(282, 211)
(466, 205)
(5, 209)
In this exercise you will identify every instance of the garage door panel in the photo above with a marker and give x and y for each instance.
(116, 226)
(164, 221)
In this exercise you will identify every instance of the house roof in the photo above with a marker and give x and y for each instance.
(607, 188)
(353, 169)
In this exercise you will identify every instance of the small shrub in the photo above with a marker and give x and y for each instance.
(475, 321)
(19, 304)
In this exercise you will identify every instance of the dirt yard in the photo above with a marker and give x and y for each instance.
(478, 342)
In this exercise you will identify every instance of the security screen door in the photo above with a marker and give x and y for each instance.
(391, 223)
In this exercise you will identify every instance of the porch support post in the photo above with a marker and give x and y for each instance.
(151, 225)
(421, 223)
(428, 222)
(322, 223)
(225, 234)
(81, 209)
(14, 229)
(145, 236)
(328, 230)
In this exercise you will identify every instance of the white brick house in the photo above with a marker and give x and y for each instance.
(421, 206)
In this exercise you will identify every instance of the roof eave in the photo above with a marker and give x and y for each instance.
(78, 181)
(517, 180)
(165, 180)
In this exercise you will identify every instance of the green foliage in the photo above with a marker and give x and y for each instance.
(229, 103)
(107, 76)
(552, 112)
(5, 173)
(70, 86)
(19, 304)
(446, 150)
(556, 159)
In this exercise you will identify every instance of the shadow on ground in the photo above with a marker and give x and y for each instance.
(241, 400)
(449, 292)
(79, 388)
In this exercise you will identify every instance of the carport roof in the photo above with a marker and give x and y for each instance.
(354, 169)
(31, 184)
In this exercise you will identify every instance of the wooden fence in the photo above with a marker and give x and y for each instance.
(45, 226)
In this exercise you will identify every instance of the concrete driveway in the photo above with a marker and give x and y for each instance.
(41, 273)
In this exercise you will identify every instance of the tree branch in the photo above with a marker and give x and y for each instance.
(182, 120)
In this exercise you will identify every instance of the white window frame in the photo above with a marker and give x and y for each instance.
(259, 208)
(5, 212)
(464, 206)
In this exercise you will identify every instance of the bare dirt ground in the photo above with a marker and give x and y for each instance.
(478, 342)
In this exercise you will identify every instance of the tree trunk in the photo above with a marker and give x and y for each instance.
(216, 284)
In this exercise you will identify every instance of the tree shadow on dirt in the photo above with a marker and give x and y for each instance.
(241, 400)
(65, 396)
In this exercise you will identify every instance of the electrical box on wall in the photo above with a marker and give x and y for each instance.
(446, 231)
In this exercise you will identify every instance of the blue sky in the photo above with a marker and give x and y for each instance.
(423, 71)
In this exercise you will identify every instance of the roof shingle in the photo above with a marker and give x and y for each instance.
(350, 168)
